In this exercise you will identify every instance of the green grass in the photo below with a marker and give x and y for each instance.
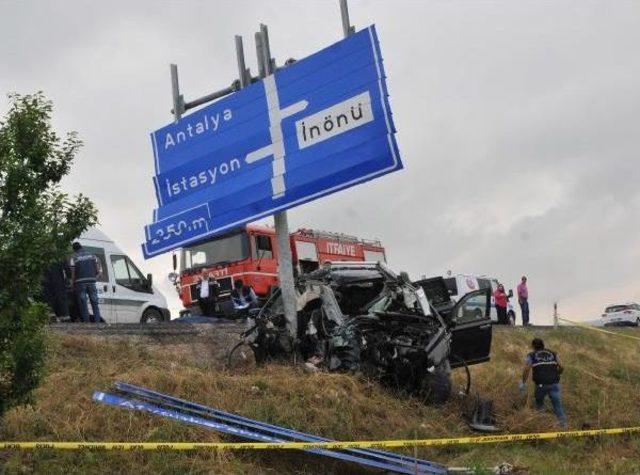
(600, 384)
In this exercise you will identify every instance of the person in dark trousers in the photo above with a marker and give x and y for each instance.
(244, 298)
(546, 368)
(54, 286)
(523, 300)
(208, 291)
(501, 299)
(74, 309)
(85, 270)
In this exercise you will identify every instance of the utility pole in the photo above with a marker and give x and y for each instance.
(266, 67)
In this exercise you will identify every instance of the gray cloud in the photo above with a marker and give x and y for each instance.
(517, 124)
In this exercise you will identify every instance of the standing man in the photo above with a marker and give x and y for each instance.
(523, 300)
(546, 377)
(85, 270)
(208, 290)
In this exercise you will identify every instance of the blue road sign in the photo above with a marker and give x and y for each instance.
(318, 126)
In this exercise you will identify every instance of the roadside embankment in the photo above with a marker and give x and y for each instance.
(601, 389)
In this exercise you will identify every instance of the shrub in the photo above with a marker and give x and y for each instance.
(37, 223)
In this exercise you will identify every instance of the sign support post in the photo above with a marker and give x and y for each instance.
(243, 73)
(285, 264)
(347, 29)
(178, 101)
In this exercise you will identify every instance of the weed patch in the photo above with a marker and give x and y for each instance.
(600, 389)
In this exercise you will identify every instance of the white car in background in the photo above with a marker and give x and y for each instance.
(621, 314)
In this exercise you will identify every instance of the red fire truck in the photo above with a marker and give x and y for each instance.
(251, 254)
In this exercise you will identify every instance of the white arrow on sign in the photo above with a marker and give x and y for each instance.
(276, 147)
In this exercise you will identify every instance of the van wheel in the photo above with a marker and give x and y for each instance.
(151, 315)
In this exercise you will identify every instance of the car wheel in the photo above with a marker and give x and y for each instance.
(436, 386)
(151, 315)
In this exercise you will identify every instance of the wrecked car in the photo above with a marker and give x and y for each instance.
(363, 317)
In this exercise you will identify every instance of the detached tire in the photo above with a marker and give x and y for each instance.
(436, 386)
(241, 358)
(151, 316)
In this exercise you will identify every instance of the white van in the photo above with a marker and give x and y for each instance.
(125, 294)
(461, 284)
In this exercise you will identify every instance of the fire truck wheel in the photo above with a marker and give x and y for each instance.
(151, 315)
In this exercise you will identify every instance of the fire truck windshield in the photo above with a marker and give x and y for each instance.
(224, 249)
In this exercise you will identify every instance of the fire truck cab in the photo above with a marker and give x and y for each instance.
(251, 254)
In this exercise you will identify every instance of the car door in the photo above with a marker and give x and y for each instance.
(471, 330)
(103, 286)
(130, 290)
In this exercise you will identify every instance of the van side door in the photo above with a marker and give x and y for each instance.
(131, 290)
(471, 329)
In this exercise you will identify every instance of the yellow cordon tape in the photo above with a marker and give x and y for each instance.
(489, 439)
(589, 327)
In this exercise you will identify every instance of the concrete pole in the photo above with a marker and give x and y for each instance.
(285, 260)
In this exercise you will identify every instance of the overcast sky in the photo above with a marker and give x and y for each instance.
(517, 124)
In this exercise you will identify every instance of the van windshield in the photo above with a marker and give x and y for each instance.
(221, 250)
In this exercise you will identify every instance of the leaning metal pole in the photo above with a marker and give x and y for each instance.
(178, 101)
(285, 264)
(243, 72)
(347, 29)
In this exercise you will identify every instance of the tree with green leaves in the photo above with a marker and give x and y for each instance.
(38, 222)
